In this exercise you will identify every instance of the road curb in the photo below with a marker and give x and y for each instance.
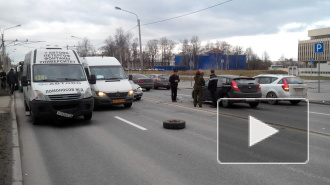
(17, 177)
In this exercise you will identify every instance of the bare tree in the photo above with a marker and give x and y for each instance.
(85, 48)
(122, 41)
(195, 48)
(134, 52)
(265, 57)
(153, 50)
(110, 47)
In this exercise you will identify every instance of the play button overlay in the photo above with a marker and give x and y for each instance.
(268, 134)
(259, 131)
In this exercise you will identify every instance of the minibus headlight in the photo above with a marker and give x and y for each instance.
(38, 95)
(100, 94)
(88, 93)
(130, 92)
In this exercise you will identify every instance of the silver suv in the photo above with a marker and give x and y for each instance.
(281, 86)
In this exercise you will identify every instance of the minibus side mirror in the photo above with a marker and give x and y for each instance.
(130, 77)
(24, 81)
(92, 79)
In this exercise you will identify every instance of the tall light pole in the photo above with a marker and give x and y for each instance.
(138, 22)
(3, 43)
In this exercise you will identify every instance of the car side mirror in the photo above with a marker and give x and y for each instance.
(130, 77)
(24, 81)
(92, 79)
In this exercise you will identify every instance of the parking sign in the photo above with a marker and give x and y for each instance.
(318, 47)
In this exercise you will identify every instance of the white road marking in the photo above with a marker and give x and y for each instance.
(184, 95)
(320, 113)
(133, 124)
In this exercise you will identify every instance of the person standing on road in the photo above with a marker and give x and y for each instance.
(212, 87)
(198, 88)
(174, 80)
(11, 80)
(3, 79)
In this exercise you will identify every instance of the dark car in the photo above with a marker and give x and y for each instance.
(230, 86)
(143, 81)
(160, 80)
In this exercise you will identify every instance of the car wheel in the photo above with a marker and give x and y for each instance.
(147, 89)
(271, 95)
(168, 88)
(88, 116)
(226, 103)
(155, 87)
(128, 105)
(139, 98)
(254, 104)
(294, 102)
(174, 124)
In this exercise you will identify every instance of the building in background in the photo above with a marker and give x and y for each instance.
(211, 59)
(306, 47)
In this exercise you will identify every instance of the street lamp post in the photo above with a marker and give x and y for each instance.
(3, 44)
(138, 22)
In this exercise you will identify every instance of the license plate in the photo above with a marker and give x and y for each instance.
(64, 114)
(118, 101)
(298, 89)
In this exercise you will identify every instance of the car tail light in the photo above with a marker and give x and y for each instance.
(306, 86)
(286, 86)
(158, 79)
(234, 85)
(259, 88)
(140, 80)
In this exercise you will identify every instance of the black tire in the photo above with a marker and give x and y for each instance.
(155, 87)
(174, 124)
(128, 105)
(272, 95)
(88, 116)
(294, 102)
(226, 103)
(147, 89)
(254, 104)
(35, 120)
(167, 88)
(139, 98)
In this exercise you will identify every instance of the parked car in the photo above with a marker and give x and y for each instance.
(143, 81)
(137, 90)
(160, 80)
(230, 86)
(282, 86)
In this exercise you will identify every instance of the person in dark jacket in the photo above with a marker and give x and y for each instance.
(174, 80)
(212, 87)
(198, 88)
(11, 80)
(3, 79)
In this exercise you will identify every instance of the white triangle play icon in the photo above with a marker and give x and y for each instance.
(259, 131)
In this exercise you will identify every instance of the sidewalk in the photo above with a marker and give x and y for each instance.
(10, 171)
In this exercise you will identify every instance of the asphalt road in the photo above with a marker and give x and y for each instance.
(130, 146)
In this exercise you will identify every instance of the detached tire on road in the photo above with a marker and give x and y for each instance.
(174, 124)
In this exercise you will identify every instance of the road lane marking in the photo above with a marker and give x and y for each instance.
(128, 122)
(184, 95)
(320, 113)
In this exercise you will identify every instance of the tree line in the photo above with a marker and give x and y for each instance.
(161, 51)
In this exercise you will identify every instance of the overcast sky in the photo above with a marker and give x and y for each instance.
(264, 25)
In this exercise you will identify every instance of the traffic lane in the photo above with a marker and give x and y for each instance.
(286, 146)
(319, 116)
(272, 174)
(33, 168)
(196, 171)
(284, 113)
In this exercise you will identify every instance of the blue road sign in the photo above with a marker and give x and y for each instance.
(312, 60)
(318, 47)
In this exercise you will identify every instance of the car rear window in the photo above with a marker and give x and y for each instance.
(294, 80)
(244, 80)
